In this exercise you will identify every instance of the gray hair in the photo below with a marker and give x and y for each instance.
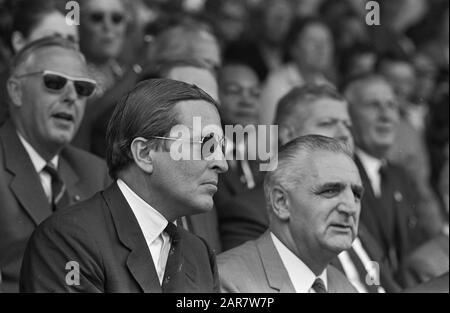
(289, 172)
(44, 43)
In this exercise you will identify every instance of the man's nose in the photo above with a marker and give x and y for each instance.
(70, 93)
(349, 205)
(220, 166)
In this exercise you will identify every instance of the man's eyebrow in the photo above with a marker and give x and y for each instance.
(332, 185)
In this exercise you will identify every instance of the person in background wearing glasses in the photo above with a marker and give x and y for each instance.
(39, 171)
(32, 20)
(103, 30)
(124, 239)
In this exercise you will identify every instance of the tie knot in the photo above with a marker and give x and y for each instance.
(172, 231)
(52, 171)
(319, 286)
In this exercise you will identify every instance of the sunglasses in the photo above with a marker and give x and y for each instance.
(55, 82)
(209, 144)
(115, 18)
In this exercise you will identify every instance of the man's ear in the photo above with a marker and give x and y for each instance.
(14, 87)
(141, 152)
(280, 203)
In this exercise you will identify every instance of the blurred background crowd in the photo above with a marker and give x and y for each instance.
(249, 54)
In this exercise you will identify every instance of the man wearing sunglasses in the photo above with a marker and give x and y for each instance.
(40, 173)
(127, 238)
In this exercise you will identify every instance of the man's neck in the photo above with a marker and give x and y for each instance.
(48, 153)
(309, 256)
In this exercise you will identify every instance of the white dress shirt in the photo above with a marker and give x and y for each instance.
(152, 224)
(351, 271)
(301, 276)
(39, 164)
(372, 167)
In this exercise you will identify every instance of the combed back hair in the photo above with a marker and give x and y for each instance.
(289, 173)
(292, 109)
(43, 43)
(353, 86)
(146, 111)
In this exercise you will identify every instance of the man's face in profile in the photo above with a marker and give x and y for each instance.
(190, 184)
(324, 208)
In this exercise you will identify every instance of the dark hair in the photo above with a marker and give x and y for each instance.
(302, 97)
(298, 26)
(29, 13)
(146, 111)
(46, 42)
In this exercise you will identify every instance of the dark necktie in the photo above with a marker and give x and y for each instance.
(362, 272)
(174, 264)
(319, 286)
(60, 197)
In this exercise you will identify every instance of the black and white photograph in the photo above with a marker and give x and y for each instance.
(224, 151)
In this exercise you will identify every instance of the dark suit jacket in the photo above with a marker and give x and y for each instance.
(103, 236)
(436, 285)
(429, 261)
(399, 201)
(256, 267)
(23, 204)
(243, 218)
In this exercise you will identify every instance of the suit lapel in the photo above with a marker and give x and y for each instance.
(276, 274)
(25, 183)
(139, 262)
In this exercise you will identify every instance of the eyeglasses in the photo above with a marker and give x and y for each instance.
(55, 82)
(209, 144)
(116, 18)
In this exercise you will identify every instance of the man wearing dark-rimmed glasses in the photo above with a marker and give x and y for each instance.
(127, 238)
(40, 173)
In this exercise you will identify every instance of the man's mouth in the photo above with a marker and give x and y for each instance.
(342, 226)
(64, 117)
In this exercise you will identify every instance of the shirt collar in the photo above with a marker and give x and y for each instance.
(38, 162)
(151, 222)
(300, 274)
(371, 164)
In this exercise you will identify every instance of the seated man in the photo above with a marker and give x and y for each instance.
(390, 207)
(123, 239)
(314, 201)
(39, 171)
(319, 110)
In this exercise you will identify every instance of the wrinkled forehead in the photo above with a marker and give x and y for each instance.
(331, 167)
(58, 59)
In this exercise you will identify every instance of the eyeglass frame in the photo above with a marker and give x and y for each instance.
(68, 77)
(221, 140)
